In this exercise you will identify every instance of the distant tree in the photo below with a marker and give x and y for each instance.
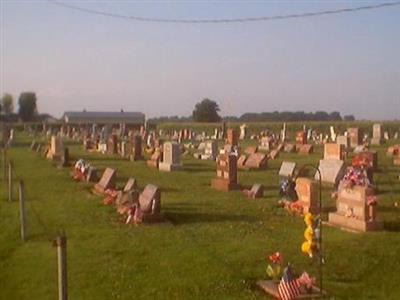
(206, 111)
(7, 103)
(27, 106)
(349, 118)
(335, 116)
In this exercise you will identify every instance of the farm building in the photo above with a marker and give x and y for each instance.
(97, 117)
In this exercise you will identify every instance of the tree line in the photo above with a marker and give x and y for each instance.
(208, 111)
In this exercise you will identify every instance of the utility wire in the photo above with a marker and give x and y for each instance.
(233, 20)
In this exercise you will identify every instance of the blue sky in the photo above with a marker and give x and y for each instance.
(73, 60)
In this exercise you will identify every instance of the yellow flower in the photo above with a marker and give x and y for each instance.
(309, 234)
(308, 219)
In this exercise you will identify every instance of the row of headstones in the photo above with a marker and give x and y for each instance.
(54, 151)
(128, 201)
(307, 189)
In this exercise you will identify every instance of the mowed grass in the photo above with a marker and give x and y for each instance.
(214, 246)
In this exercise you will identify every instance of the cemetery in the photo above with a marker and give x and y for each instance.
(216, 205)
(199, 150)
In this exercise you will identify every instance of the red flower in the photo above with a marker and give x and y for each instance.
(275, 258)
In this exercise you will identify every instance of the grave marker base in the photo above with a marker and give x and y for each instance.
(271, 288)
(168, 167)
(223, 185)
(343, 222)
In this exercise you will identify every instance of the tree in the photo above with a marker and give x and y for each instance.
(27, 106)
(349, 118)
(7, 104)
(206, 111)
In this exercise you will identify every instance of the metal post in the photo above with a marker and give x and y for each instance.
(22, 215)
(61, 243)
(4, 165)
(10, 183)
(321, 258)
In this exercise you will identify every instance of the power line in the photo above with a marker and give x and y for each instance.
(233, 20)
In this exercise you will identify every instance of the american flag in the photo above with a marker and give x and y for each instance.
(289, 287)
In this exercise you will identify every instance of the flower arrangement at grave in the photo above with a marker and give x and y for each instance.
(288, 196)
(288, 285)
(80, 170)
(355, 176)
(286, 189)
(111, 196)
(274, 268)
(134, 215)
(310, 245)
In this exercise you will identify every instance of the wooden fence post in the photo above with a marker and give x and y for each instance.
(22, 215)
(4, 166)
(10, 182)
(61, 243)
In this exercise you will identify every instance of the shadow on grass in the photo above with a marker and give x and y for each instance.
(180, 218)
(198, 167)
(393, 226)
(104, 158)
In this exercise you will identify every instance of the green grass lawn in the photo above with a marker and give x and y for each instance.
(214, 246)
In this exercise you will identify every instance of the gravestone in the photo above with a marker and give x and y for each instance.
(308, 194)
(136, 149)
(150, 200)
(354, 136)
(130, 185)
(91, 175)
(333, 151)
(359, 149)
(332, 170)
(226, 179)
(386, 135)
(65, 158)
(283, 133)
(112, 144)
(210, 150)
(289, 148)
(33, 145)
(343, 140)
(301, 138)
(354, 210)
(250, 150)
(333, 134)
(256, 191)
(56, 148)
(287, 169)
(274, 154)
(101, 147)
(155, 159)
(243, 131)
(304, 149)
(232, 138)
(265, 143)
(241, 162)
(124, 149)
(107, 181)
(332, 167)
(256, 161)
(376, 134)
(171, 157)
